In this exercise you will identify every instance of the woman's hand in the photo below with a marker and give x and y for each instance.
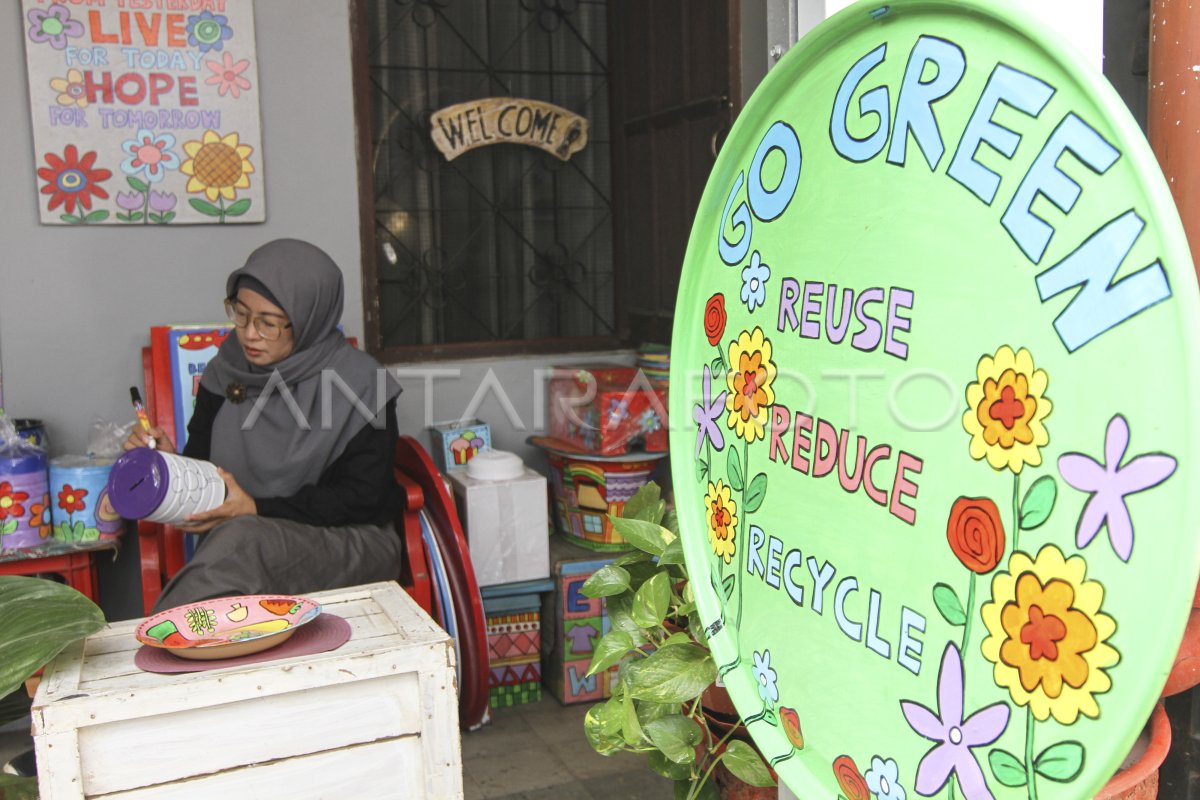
(139, 437)
(237, 504)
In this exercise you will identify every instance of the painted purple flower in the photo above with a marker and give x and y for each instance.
(208, 31)
(130, 201)
(161, 201)
(707, 413)
(1109, 483)
(954, 736)
(53, 25)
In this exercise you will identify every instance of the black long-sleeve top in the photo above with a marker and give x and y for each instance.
(357, 488)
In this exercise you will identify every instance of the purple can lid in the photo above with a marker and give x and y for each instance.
(137, 483)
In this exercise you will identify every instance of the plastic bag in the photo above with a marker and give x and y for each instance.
(105, 438)
(12, 445)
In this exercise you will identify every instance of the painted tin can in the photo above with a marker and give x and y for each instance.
(163, 487)
(24, 498)
(81, 509)
(588, 489)
(32, 431)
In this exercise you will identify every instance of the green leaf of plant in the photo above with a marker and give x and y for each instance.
(14, 788)
(648, 712)
(632, 557)
(670, 521)
(1060, 762)
(1007, 768)
(672, 553)
(206, 208)
(756, 492)
(745, 763)
(948, 604)
(733, 465)
(728, 583)
(679, 637)
(631, 728)
(620, 617)
(643, 535)
(664, 766)
(15, 705)
(676, 736)
(652, 600)
(137, 184)
(602, 741)
(611, 648)
(646, 504)
(38, 618)
(238, 208)
(672, 674)
(1038, 502)
(708, 789)
(606, 581)
(612, 717)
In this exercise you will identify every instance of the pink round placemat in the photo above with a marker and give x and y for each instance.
(326, 632)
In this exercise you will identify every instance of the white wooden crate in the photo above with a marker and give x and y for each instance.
(376, 718)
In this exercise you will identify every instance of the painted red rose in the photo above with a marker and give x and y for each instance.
(976, 534)
(791, 726)
(714, 318)
(853, 784)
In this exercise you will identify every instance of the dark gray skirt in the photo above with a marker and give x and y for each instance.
(266, 555)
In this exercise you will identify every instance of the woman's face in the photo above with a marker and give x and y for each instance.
(259, 350)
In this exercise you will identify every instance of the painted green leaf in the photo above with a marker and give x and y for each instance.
(744, 762)
(727, 586)
(1060, 762)
(238, 208)
(734, 467)
(606, 581)
(756, 492)
(1007, 768)
(99, 215)
(671, 675)
(204, 207)
(137, 184)
(38, 618)
(702, 471)
(135, 216)
(676, 736)
(948, 604)
(1038, 502)
(643, 535)
(70, 219)
(611, 648)
(652, 600)
(717, 367)
(167, 217)
(8, 527)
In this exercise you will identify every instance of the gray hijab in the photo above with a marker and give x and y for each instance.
(281, 426)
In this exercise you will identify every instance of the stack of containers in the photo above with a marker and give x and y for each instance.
(24, 491)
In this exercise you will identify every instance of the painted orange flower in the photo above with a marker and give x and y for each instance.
(1048, 636)
(851, 781)
(71, 499)
(750, 380)
(40, 516)
(791, 726)
(722, 520)
(976, 534)
(1006, 407)
(11, 501)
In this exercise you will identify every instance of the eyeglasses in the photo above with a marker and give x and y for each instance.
(267, 328)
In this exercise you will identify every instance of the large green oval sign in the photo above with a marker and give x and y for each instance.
(935, 348)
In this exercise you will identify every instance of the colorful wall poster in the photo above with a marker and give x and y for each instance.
(144, 112)
(933, 389)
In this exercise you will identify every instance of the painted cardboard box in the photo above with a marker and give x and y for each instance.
(457, 442)
(608, 410)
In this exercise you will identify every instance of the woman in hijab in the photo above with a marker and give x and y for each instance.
(303, 429)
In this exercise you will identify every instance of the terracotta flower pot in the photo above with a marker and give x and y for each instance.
(1185, 672)
(1139, 780)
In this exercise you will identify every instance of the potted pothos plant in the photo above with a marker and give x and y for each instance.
(663, 661)
(38, 618)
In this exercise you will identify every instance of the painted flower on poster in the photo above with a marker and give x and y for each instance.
(1109, 484)
(750, 378)
(72, 180)
(227, 75)
(150, 155)
(53, 25)
(1047, 636)
(11, 501)
(883, 779)
(218, 166)
(754, 282)
(208, 31)
(71, 91)
(955, 736)
(722, 520)
(1006, 408)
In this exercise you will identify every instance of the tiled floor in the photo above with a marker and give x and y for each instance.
(537, 751)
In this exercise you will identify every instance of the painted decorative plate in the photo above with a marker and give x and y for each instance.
(933, 411)
(227, 627)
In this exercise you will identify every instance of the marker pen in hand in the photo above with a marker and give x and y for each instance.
(136, 396)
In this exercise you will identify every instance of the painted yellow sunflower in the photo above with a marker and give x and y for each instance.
(749, 379)
(1005, 410)
(217, 166)
(1048, 637)
(722, 520)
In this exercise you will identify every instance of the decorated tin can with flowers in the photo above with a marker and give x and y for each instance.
(80, 506)
(24, 498)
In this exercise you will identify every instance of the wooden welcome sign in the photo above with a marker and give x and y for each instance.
(463, 127)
